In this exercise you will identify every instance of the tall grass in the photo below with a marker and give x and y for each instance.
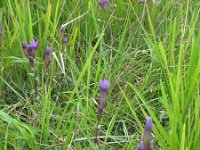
(149, 52)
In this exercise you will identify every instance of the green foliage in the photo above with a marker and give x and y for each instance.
(148, 51)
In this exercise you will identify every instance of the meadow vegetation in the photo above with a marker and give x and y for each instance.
(149, 52)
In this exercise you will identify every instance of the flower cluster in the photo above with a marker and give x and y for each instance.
(30, 50)
(146, 142)
(104, 85)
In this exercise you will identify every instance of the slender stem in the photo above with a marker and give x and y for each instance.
(35, 81)
(97, 133)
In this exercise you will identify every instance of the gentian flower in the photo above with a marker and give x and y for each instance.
(34, 44)
(24, 45)
(103, 4)
(148, 125)
(104, 85)
(48, 57)
(147, 137)
(62, 30)
(64, 39)
(1, 32)
(151, 145)
(30, 50)
(141, 146)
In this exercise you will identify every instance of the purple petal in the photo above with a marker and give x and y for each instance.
(47, 54)
(104, 85)
(48, 57)
(1, 31)
(64, 40)
(141, 146)
(103, 4)
(48, 49)
(151, 145)
(34, 44)
(24, 45)
(148, 125)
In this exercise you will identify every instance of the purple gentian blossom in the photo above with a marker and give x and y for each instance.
(48, 57)
(141, 146)
(104, 86)
(148, 125)
(65, 40)
(151, 145)
(34, 44)
(1, 32)
(103, 4)
(24, 45)
(147, 137)
(30, 50)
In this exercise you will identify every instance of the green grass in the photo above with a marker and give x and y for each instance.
(149, 53)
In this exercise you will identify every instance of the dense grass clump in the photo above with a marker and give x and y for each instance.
(50, 97)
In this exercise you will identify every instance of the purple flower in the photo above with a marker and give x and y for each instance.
(48, 57)
(1, 31)
(34, 44)
(48, 50)
(151, 145)
(103, 4)
(141, 146)
(30, 50)
(24, 45)
(104, 85)
(148, 125)
(64, 40)
(62, 30)
(147, 137)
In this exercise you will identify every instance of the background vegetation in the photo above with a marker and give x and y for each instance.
(149, 53)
